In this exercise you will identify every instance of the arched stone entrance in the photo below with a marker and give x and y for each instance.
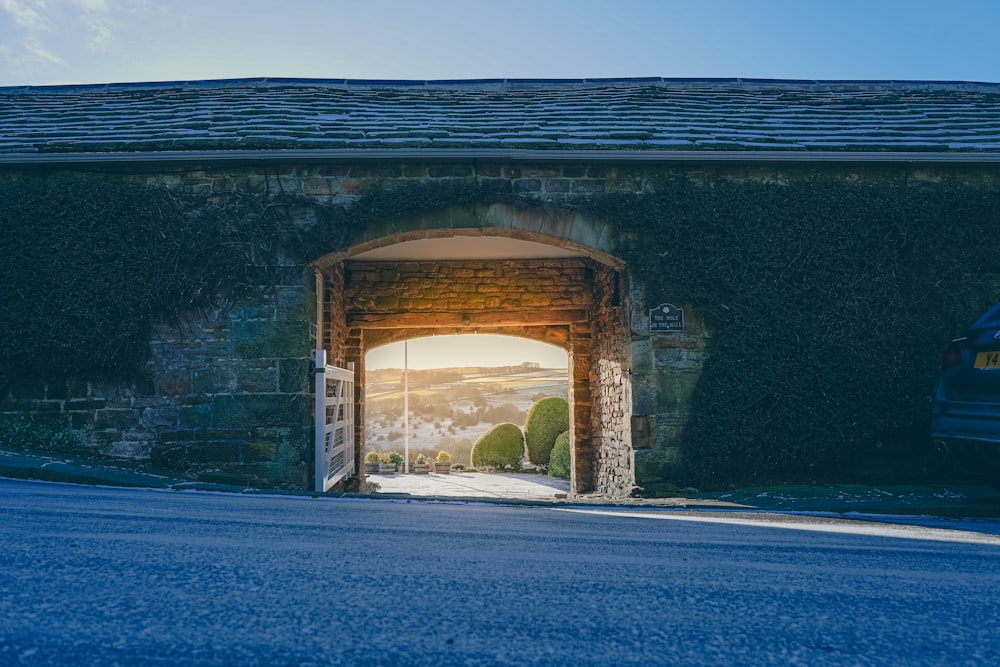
(495, 269)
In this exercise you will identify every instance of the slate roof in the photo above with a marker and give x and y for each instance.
(620, 115)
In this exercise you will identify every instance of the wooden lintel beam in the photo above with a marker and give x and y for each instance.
(509, 318)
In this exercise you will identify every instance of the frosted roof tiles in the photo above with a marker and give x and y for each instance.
(629, 114)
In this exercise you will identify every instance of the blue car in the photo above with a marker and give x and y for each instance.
(965, 414)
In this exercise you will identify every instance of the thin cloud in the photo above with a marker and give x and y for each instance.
(27, 13)
(45, 27)
(37, 50)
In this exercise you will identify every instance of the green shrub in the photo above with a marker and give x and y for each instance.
(546, 420)
(559, 460)
(502, 445)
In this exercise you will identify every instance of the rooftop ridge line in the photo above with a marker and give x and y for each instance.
(501, 84)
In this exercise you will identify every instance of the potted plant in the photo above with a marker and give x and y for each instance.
(420, 466)
(385, 464)
(397, 461)
(442, 465)
(371, 463)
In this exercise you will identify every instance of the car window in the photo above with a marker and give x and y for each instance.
(990, 319)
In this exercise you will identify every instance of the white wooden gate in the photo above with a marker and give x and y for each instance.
(334, 422)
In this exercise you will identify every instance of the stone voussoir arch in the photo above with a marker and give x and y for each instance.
(564, 291)
(568, 230)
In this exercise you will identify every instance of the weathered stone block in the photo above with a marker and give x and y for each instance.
(204, 352)
(173, 382)
(255, 311)
(357, 186)
(588, 187)
(557, 185)
(673, 341)
(214, 381)
(261, 410)
(320, 187)
(263, 339)
(162, 417)
(118, 419)
(257, 451)
(527, 185)
(290, 302)
(658, 471)
(295, 376)
(178, 456)
(674, 392)
(529, 300)
(81, 420)
(184, 435)
(213, 451)
(385, 171)
(450, 171)
(385, 303)
(675, 360)
(643, 431)
(414, 171)
(258, 380)
(196, 416)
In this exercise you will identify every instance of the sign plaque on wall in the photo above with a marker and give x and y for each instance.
(666, 318)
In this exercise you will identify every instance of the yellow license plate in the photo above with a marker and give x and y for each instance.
(988, 360)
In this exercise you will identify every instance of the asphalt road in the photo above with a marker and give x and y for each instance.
(128, 576)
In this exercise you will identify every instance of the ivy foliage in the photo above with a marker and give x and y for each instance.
(830, 302)
(89, 262)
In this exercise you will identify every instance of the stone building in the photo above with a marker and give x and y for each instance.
(225, 393)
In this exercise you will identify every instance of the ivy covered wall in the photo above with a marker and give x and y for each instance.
(822, 295)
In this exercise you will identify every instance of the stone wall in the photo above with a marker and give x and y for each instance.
(666, 368)
(233, 391)
(226, 396)
(465, 287)
(611, 387)
(227, 392)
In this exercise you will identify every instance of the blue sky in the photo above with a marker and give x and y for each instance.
(99, 41)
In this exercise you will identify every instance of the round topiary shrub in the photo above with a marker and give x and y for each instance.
(559, 458)
(502, 445)
(546, 420)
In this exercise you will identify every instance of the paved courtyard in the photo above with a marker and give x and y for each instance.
(474, 485)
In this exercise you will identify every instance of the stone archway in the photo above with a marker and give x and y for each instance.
(412, 280)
